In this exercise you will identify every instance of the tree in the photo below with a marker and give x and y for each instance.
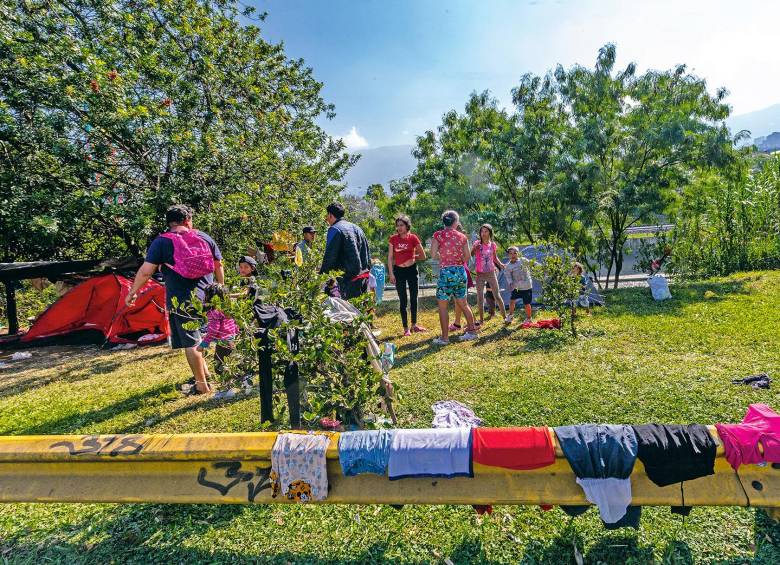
(110, 110)
(637, 141)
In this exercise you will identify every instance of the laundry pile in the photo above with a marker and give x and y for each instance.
(548, 324)
(601, 456)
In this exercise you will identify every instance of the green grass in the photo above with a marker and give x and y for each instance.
(635, 362)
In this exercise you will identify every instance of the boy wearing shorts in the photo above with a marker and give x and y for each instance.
(452, 250)
(517, 275)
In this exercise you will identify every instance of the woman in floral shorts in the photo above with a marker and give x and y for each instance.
(452, 249)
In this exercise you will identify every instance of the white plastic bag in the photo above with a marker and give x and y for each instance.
(659, 287)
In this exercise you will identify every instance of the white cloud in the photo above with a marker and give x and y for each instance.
(353, 140)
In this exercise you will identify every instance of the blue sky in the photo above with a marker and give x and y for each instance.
(393, 67)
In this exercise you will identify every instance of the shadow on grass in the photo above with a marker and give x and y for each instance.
(639, 302)
(84, 365)
(73, 422)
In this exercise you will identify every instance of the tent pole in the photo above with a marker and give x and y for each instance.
(11, 312)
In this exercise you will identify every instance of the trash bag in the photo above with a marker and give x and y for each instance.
(659, 287)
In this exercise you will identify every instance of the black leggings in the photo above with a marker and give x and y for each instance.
(404, 276)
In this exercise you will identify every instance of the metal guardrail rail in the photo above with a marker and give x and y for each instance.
(234, 469)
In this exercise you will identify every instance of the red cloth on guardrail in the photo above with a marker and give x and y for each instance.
(513, 448)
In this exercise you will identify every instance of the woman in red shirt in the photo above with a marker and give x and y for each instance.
(404, 251)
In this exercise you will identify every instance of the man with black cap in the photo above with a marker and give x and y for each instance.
(306, 244)
(346, 250)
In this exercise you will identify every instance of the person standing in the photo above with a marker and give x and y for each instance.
(190, 261)
(404, 251)
(486, 259)
(517, 274)
(304, 246)
(346, 250)
(451, 248)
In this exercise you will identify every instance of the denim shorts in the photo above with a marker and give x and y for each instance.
(452, 283)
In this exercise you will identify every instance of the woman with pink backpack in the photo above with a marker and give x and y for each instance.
(190, 261)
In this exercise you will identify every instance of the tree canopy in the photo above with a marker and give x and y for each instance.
(111, 110)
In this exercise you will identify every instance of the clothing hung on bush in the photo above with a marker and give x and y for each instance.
(675, 453)
(270, 317)
(602, 457)
(453, 414)
(298, 467)
(364, 452)
(430, 453)
(761, 425)
(513, 448)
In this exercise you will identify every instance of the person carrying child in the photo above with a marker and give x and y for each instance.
(486, 258)
(220, 329)
(517, 274)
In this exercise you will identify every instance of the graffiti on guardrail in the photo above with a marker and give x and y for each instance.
(95, 445)
(256, 481)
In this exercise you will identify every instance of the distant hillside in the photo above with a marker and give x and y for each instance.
(760, 123)
(380, 165)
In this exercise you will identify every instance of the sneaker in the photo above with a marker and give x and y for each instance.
(508, 319)
(469, 336)
(455, 327)
(407, 333)
(418, 329)
(440, 341)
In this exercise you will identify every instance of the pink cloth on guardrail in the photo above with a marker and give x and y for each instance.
(761, 425)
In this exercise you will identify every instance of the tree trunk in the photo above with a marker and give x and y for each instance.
(573, 314)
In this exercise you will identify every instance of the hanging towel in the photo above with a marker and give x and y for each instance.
(430, 453)
(364, 452)
(453, 414)
(605, 456)
(675, 453)
(761, 425)
(513, 448)
(298, 466)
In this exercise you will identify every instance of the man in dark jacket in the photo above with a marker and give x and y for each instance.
(346, 250)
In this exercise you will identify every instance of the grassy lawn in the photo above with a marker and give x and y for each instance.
(635, 362)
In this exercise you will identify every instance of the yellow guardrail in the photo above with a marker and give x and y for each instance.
(234, 469)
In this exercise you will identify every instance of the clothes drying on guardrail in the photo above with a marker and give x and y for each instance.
(365, 451)
(602, 457)
(444, 452)
(298, 467)
(761, 425)
(453, 414)
(513, 448)
(675, 453)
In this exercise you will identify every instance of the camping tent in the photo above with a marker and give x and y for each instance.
(538, 253)
(95, 312)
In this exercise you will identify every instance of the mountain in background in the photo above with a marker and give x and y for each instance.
(760, 123)
(380, 165)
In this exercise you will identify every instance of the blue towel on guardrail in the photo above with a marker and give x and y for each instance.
(364, 451)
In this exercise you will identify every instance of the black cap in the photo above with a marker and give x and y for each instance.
(249, 261)
(309, 229)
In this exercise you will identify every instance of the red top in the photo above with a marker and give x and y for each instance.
(513, 448)
(451, 244)
(403, 247)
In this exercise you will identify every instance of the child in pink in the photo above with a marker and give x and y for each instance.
(485, 255)
(220, 329)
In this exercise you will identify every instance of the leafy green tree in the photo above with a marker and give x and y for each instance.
(110, 110)
(637, 140)
(560, 285)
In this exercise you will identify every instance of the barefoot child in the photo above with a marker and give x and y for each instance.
(517, 275)
(486, 258)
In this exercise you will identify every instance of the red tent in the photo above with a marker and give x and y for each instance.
(98, 305)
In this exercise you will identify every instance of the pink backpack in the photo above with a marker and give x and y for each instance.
(191, 254)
